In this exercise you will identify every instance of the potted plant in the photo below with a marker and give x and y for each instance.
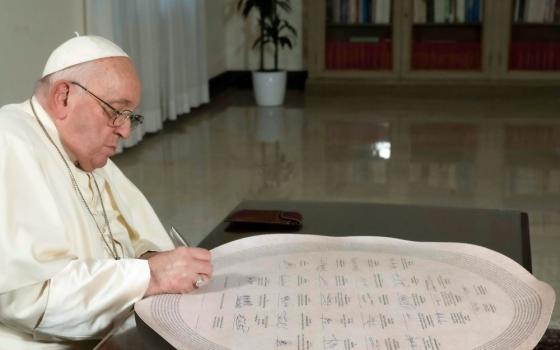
(269, 85)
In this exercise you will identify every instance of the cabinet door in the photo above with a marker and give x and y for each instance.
(531, 39)
(352, 38)
(446, 38)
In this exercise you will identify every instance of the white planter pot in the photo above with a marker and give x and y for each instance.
(269, 88)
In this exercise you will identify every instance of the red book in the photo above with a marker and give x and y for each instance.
(520, 55)
(434, 56)
(423, 55)
(556, 56)
(427, 55)
(414, 56)
(328, 56)
(389, 55)
(460, 56)
(382, 55)
(442, 55)
(355, 63)
(378, 55)
(338, 55)
(539, 59)
(333, 54)
(385, 55)
(547, 61)
(517, 56)
(447, 53)
(343, 49)
(365, 53)
(328, 53)
(368, 56)
(528, 50)
(346, 54)
(351, 58)
(476, 55)
(455, 51)
(365, 56)
(359, 53)
(373, 53)
(424, 49)
(514, 56)
(420, 52)
(334, 49)
(467, 51)
(511, 56)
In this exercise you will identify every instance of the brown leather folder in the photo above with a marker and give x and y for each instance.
(264, 220)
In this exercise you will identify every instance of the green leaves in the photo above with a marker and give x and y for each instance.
(271, 24)
(247, 6)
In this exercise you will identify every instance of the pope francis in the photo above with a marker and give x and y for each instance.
(79, 242)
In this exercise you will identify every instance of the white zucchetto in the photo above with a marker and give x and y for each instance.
(81, 49)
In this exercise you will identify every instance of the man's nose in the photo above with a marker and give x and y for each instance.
(124, 130)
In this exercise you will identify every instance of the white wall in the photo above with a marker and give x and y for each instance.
(215, 33)
(240, 35)
(29, 31)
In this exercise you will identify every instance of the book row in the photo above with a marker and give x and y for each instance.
(359, 11)
(448, 11)
(351, 55)
(534, 56)
(536, 11)
(444, 55)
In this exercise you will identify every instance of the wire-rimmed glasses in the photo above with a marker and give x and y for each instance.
(120, 117)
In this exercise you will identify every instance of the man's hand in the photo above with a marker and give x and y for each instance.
(176, 271)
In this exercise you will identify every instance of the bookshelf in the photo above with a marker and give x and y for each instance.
(447, 35)
(399, 40)
(358, 35)
(535, 36)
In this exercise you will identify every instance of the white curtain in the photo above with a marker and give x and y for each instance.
(166, 39)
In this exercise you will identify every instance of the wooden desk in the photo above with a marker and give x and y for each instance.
(505, 231)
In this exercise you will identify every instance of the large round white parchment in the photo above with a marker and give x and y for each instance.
(328, 293)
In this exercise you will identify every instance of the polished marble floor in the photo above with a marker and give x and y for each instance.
(474, 151)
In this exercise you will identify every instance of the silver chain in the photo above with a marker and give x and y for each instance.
(112, 248)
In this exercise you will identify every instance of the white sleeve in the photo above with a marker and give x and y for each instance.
(21, 309)
(87, 295)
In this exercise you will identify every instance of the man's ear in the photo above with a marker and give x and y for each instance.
(59, 97)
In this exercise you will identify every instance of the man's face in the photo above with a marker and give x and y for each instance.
(88, 132)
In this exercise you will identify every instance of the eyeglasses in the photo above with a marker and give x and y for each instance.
(120, 117)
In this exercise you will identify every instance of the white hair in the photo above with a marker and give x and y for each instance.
(81, 73)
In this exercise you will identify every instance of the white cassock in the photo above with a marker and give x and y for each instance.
(58, 280)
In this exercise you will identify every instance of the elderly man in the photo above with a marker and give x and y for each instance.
(79, 242)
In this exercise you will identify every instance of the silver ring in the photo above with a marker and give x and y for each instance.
(199, 282)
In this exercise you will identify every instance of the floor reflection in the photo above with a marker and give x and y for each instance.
(486, 153)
